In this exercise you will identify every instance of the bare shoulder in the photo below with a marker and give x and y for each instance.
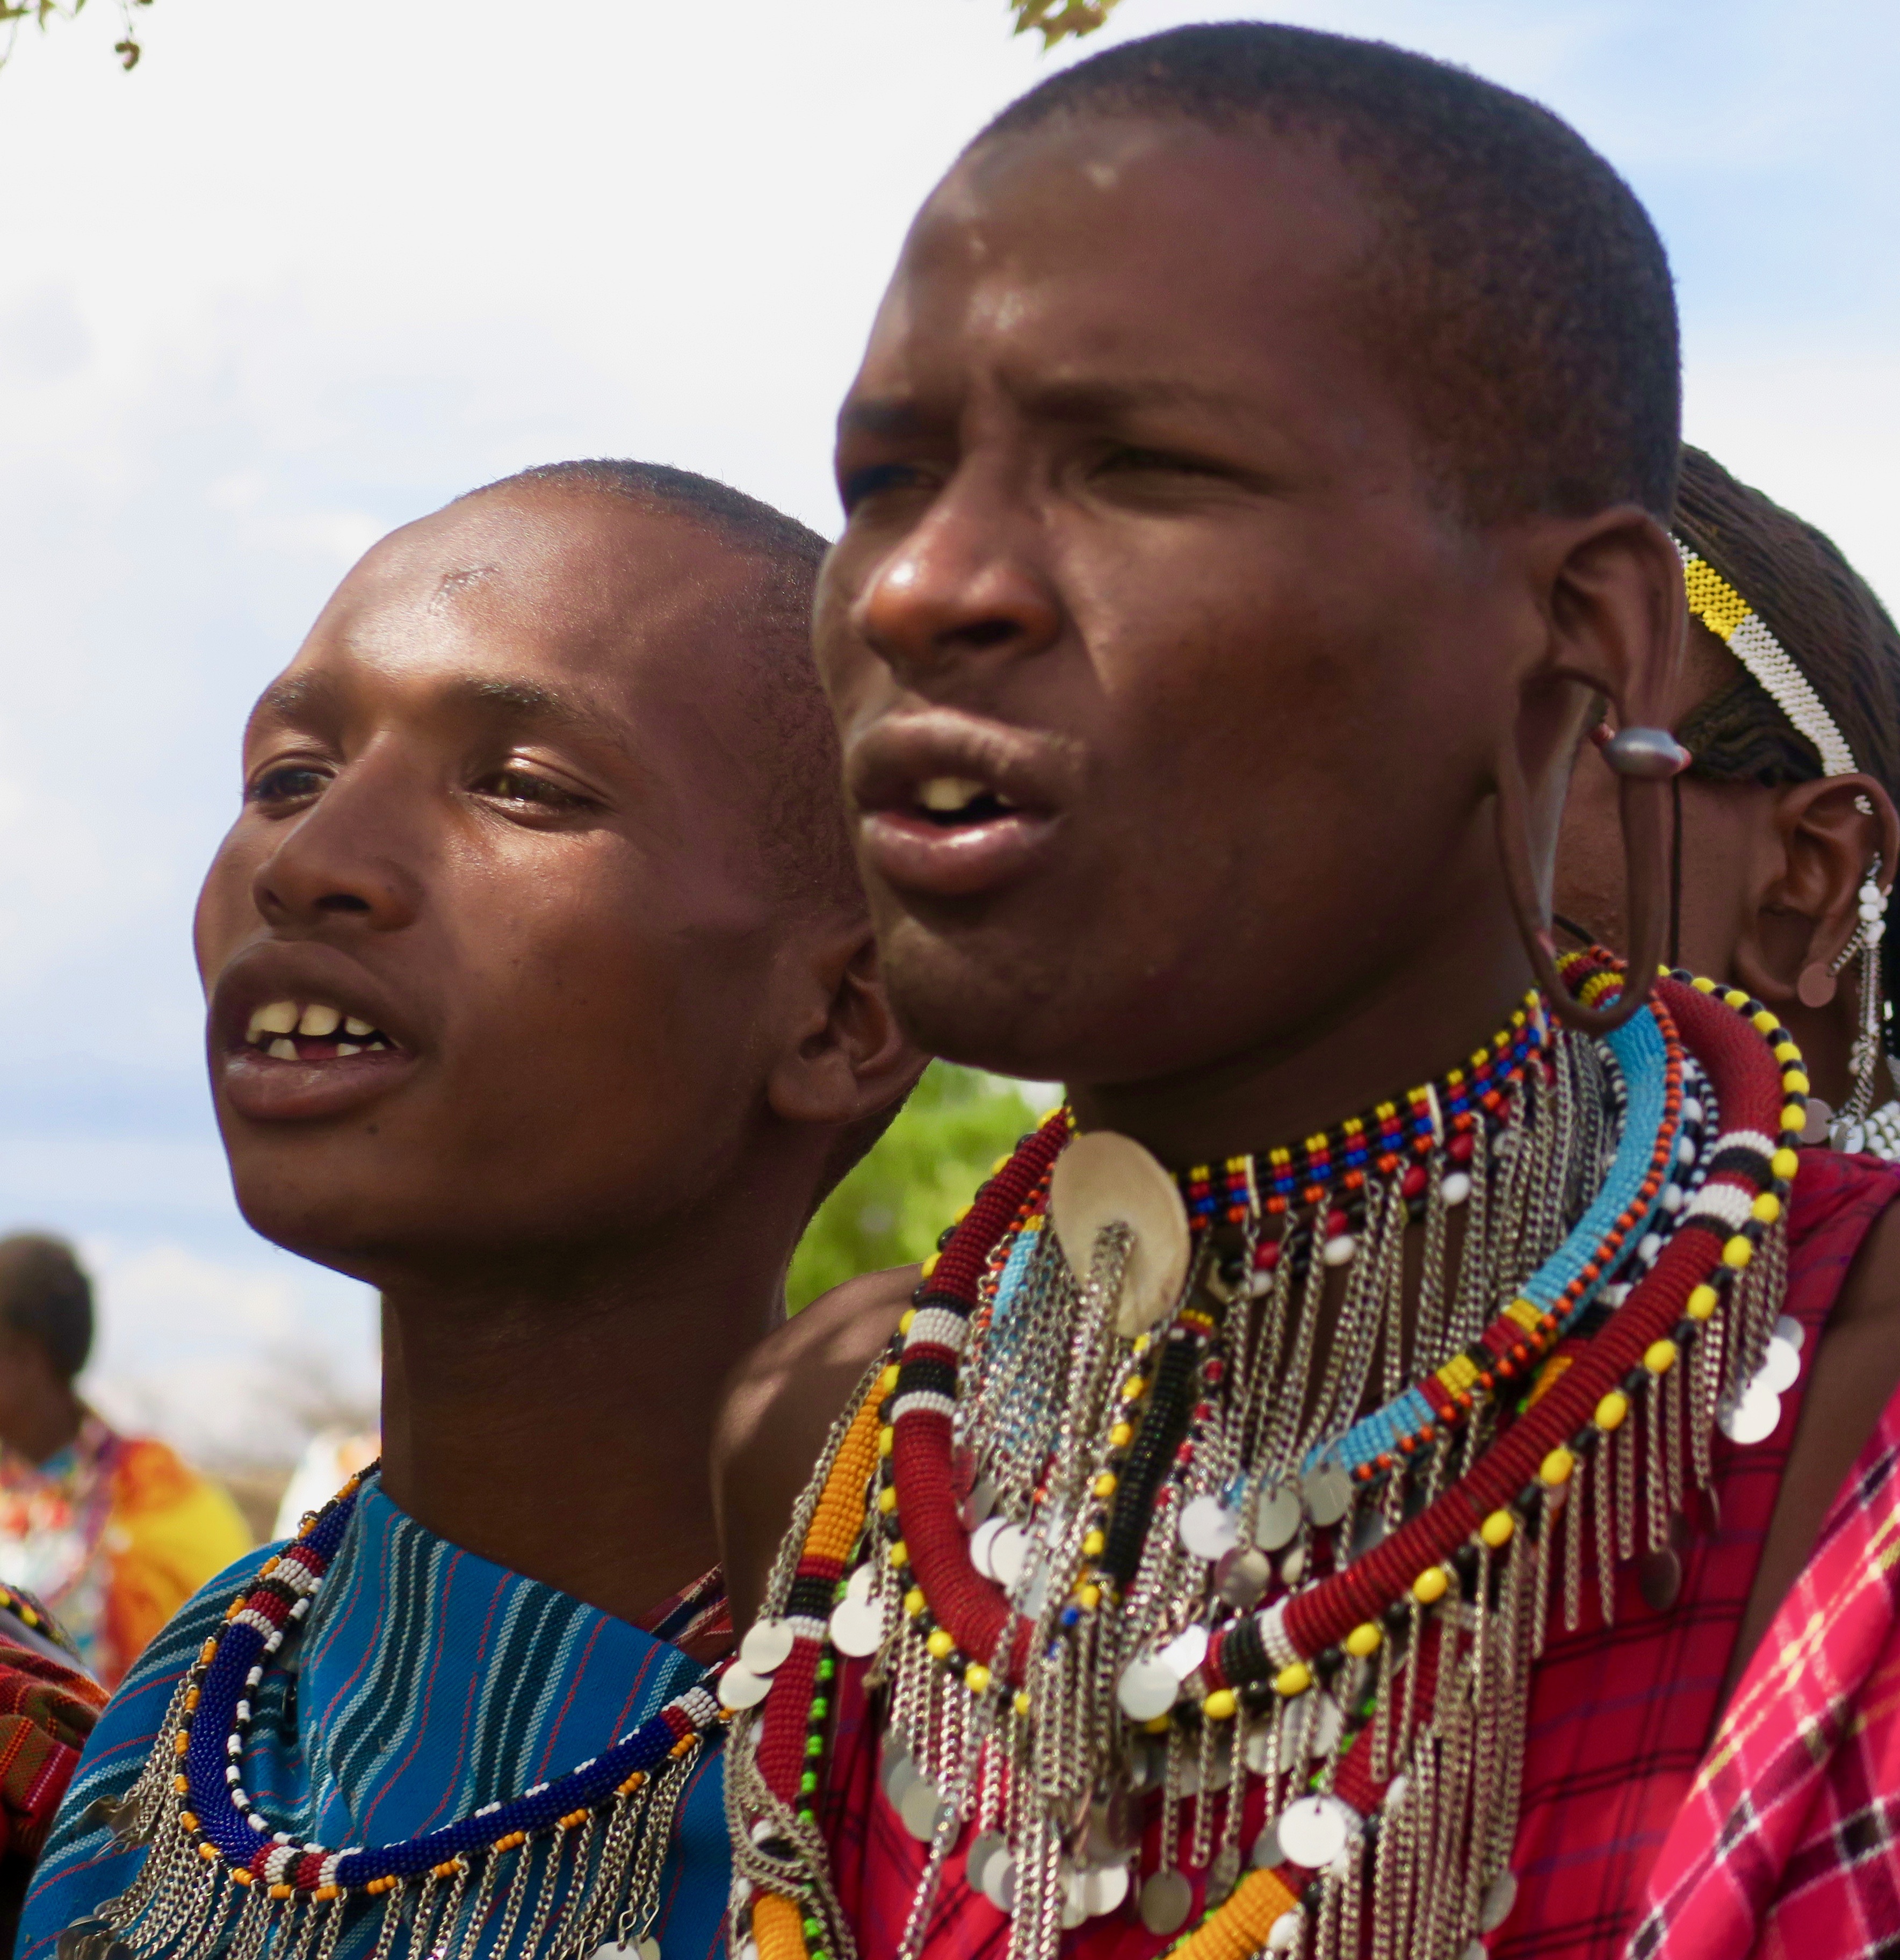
(779, 1407)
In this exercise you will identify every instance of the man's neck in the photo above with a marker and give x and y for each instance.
(1386, 1038)
(562, 1430)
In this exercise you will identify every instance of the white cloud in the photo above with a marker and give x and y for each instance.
(232, 1362)
(306, 274)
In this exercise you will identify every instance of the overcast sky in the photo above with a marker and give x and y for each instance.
(313, 270)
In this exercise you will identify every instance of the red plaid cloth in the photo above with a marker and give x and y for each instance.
(46, 1712)
(1620, 1716)
(1786, 1844)
(698, 1620)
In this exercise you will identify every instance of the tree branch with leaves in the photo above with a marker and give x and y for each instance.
(12, 12)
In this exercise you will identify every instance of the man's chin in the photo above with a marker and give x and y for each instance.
(984, 1001)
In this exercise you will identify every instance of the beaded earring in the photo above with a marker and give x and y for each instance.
(1848, 1130)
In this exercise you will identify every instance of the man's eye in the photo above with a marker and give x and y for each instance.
(876, 478)
(1128, 460)
(288, 782)
(523, 786)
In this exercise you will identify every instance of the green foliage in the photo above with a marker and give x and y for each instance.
(1058, 20)
(924, 1169)
(12, 12)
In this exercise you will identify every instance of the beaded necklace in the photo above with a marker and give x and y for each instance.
(218, 1874)
(1371, 1713)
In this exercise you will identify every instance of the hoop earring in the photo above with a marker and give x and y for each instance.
(1647, 760)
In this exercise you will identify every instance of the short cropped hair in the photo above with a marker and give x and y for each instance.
(804, 843)
(1518, 294)
(44, 1296)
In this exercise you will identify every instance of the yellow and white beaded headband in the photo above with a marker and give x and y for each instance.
(1733, 620)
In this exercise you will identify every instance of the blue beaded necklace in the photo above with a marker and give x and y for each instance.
(214, 1855)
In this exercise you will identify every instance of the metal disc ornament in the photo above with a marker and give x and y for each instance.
(1103, 1179)
(1207, 1527)
(768, 1644)
(1313, 1831)
(1009, 1554)
(1780, 1365)
(1277, 1523)
(857, 1628)
(1075, 1901)
(1104, 1889)
(1148, 1688)
(980, 1540)
(1167, 1900)
(1241, 1575)
(740, 1688)
(999, 1883)
(1752, 1419)
(1500, 1896)
(897, 1773)
(922, 1810)
(1328, 1491)
(976, 1862)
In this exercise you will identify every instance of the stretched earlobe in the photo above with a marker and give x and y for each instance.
(1816, 986)
(1644, 803)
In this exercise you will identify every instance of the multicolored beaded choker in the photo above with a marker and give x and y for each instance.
(219, 1876)
(1085, 1585)
(1330, 1170)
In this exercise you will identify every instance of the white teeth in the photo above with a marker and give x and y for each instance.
(284, 1051)
(948, 793)
(952, 792)
(347, 1048)
(354, 1026)
(319, 1021)
(279, 1018)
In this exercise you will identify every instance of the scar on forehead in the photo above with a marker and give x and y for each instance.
(452, 585)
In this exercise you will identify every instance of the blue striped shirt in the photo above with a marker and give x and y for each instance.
(426, 1683)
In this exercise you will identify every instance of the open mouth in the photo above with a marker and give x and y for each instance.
(309, 1031)
(953, 802)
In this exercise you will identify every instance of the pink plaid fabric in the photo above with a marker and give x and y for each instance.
(1788, 1844)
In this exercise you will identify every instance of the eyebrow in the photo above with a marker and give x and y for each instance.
(497, 697)
(1070, 401)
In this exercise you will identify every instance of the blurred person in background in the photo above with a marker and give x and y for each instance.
(1788, 703)
(114, 1532)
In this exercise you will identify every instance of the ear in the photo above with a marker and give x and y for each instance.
(1610, 599)
(846, 1058)
(1825, 838)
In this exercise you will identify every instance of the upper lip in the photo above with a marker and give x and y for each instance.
(303, 970)
(887, 765)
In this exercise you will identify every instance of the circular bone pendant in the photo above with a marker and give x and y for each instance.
(1103, 1179)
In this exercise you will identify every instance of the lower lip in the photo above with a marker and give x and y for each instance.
(953, 860)
(269, 1090)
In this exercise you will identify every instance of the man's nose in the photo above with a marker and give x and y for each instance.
(351, 855)
(968, 582)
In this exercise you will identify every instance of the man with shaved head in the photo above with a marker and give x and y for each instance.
(541, 998)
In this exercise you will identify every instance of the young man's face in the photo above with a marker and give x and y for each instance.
(1144, 571)
(499, 839)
